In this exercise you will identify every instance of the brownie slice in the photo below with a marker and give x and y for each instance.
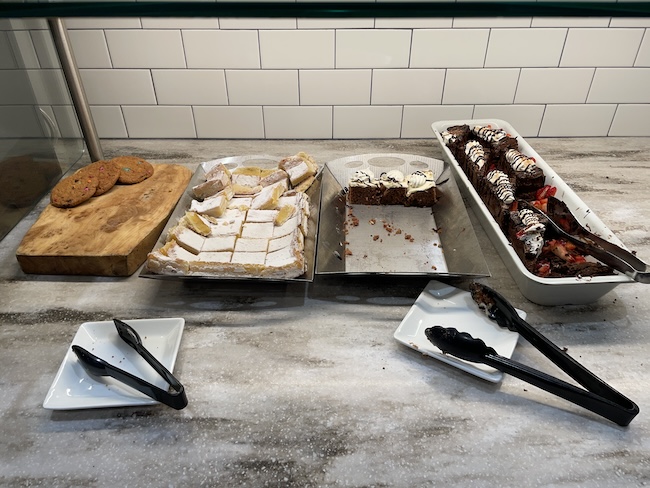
(393, 188)
(364, 188)
(421, 191)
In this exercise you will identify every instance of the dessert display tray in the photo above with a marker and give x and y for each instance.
(262, 161)
(393, 239)
(544, 291)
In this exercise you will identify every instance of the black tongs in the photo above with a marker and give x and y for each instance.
(597, 396)
(98, 367)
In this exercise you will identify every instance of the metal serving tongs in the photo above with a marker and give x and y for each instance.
(598, 396)
(98, 367)
(610, 254)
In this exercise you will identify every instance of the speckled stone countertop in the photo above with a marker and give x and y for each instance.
(304, 385)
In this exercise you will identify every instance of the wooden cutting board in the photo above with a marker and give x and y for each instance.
(109, 235)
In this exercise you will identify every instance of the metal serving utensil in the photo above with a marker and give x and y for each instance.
(606, 252)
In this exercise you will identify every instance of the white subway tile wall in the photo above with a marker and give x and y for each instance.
(336, 78)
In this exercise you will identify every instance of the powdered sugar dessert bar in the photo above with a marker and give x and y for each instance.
(249, 222)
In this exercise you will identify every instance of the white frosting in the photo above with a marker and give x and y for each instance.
(532, 233)
(502, 185)
(420, 181)
(448, 137)
(475, 153)
(363, 177)
(488, 134)
(392, 179)
(519, 161)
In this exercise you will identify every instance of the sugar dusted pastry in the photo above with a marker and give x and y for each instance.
(295, 239)
(187, 238)
(268, 197)
(299, 167)
(287, 261)
(171, 259)
(210, 263)
(273, 176)
(255, 215)
(243, 190)
(241, 203)
(219, 243)
(246, 176)
(251, 244)
(288, 227)
(217, 171)
(257, 229)
(250, 258)
(214, 206)
(304, 185)
(284, 213)
(231, 226)
(212, 186)
(196, 222)
(248, 222)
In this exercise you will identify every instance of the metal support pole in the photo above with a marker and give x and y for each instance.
(69, 66)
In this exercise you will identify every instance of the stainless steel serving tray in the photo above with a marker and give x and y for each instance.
(442, 244)
(261, 161)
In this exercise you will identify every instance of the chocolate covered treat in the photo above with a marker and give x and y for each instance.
(499, 196)
(456, 137)
(527, 175)
(499, 139)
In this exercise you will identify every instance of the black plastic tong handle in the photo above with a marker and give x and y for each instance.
(503, 313)
(98, 367)
(464, 346)
(132, 338)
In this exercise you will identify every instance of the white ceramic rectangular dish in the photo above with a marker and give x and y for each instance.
(447, 306)
(74, 389)
(544, 291)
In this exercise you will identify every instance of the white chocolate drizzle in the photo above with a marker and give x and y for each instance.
(420, 181)
(502, 186)
(475, 153)
(532, 233)
(363, 177)
(392, 179)
(488, 134)
(519, 161)
(448, 137)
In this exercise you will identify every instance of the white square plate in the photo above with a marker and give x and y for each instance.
(447, 306)
(73, 388)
